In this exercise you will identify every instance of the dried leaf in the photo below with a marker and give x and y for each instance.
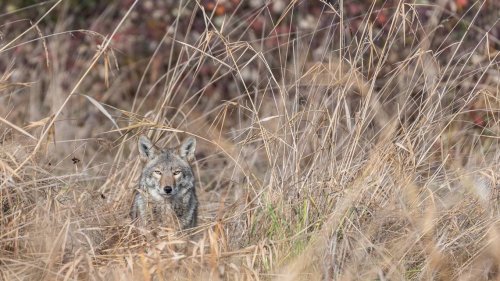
(103, 111)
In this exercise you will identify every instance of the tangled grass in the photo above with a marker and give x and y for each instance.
(323, 154)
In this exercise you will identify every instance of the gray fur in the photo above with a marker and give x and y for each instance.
(166, 193)
(186, 151)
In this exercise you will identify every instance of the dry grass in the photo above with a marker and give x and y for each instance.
(323, 154)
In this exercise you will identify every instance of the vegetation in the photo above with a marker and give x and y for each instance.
(336, 140)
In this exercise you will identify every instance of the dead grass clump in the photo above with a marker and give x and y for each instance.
(337, 141)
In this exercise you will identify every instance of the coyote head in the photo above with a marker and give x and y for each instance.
(166, 173)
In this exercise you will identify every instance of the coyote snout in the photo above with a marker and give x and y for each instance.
(167, 186)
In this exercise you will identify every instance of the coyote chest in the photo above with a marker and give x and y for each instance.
(166, 195)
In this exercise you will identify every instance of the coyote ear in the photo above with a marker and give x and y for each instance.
(186, 150)
(146, 148)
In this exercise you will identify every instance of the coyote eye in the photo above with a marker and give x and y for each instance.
(176, 173)
(157, 172)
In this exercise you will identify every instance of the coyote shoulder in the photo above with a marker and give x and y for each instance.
(166, 193)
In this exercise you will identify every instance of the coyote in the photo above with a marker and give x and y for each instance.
(166, 193)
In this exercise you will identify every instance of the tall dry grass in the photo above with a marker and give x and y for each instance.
(324, 153)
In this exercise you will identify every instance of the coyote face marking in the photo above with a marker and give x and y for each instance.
(166, 186)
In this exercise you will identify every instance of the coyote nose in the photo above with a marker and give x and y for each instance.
(167, 189)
